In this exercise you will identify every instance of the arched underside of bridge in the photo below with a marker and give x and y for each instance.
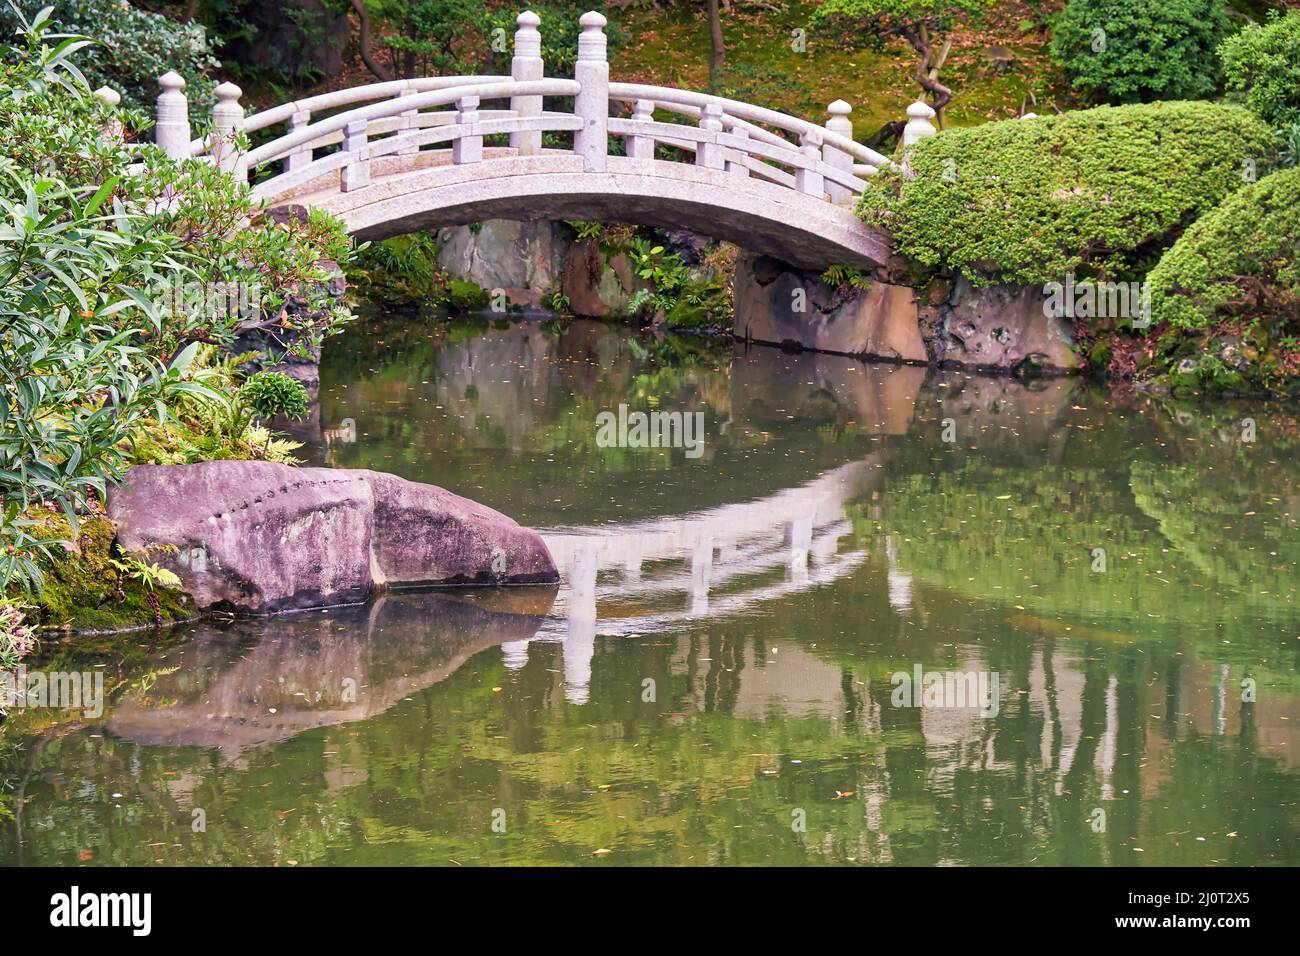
(411, 194)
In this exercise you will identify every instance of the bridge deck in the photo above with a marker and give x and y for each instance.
(426, 190)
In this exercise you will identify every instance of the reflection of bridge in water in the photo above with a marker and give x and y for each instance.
(661, 573)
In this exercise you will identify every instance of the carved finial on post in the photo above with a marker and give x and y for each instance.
(172, 131)
(592, 102)
(528, 39)
(527, 66)
(227, 120)
(113, 126)
(918, 124)
(840, 124)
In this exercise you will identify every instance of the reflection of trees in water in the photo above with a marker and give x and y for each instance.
(705, 773)
(1196, 533)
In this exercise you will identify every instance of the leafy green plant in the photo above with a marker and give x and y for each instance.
(587, 230)
(91, 354)
(269, 394)
(663, 270)
(1095, 192)
(1261, 67)
(1288, 146)
(556, 301)
(1139, 51)
(135, 47)
(151, 576)
(17, 637)
(431, 37)
(845, 278)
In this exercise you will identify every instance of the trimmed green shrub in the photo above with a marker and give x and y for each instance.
(1238, 261)
(1261, 64)
(134, 48)
(1097, 192)
(1138, 51)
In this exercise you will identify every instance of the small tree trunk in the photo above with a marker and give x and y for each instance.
(927, 71)
(363, 41)
(717, 48)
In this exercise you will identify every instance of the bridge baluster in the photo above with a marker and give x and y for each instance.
(357, 172)
(709, 155)
(406, 124)
(841, 124)
(172, 130)
(467, 148)
(227, 120)
(736, 157)
(642, 147)
(592, 102)
(301, 156)
(809, 181)
(527, 66)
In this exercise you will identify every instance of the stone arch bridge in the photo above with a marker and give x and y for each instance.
(412, 155)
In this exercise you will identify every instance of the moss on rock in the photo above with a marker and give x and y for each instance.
(83, 591)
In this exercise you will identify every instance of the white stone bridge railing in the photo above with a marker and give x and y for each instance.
(351, 133)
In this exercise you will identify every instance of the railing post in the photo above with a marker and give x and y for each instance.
(172, 131)
(467, 149)
(357, 172)
(227, 120)
(301, 156)
(809, 181)
(642, 147)
(112, 99)
(918, 124)
(831, 156)
(709, 155)
(527, 66)
(735, 157)
(406, 124)
(592, 102)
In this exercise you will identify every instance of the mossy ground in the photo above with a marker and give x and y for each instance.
(671, 48)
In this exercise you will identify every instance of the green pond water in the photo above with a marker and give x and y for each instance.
(713, 682)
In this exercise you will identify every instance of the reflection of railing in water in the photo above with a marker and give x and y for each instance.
(731, 554)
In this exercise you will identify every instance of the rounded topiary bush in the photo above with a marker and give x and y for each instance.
(1261, 64)
(1239, 260)
(1097, 192)
(1138, 51)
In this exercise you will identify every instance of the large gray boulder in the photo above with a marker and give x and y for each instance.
(521, 258)
(259, 537)
(997, 328)
(781, 305)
